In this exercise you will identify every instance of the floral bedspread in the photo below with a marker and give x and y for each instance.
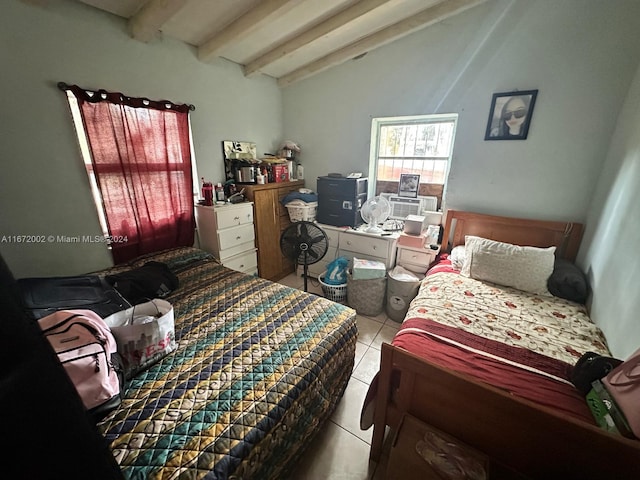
(547, 325)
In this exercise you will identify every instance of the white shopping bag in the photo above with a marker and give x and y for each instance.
(144, 333)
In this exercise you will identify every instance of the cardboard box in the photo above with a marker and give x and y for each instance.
(414, 224)
(416, 241)
(281, 172)
(367, 269)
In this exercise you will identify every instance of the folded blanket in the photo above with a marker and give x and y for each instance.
(305, 197)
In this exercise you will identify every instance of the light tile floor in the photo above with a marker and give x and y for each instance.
(341, 449)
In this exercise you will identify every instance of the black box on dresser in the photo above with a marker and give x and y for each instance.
(340, 200)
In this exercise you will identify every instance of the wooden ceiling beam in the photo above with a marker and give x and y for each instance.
(39, 3)
(146, 24)
(253, 19)
(416, 22)
(324, 28)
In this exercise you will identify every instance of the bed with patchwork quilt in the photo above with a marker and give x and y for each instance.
(259, 367)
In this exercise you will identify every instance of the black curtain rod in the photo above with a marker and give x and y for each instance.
(64, 87)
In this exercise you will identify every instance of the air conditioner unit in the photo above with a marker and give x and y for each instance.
(402, 206)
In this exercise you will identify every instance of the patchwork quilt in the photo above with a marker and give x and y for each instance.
(258, 369)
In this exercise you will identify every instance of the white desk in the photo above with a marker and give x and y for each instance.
(349, 243)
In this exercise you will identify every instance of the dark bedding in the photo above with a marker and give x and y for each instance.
(258, 369)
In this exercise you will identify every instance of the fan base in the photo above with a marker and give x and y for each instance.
(373, 229)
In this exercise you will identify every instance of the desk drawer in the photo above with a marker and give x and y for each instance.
(375, 247)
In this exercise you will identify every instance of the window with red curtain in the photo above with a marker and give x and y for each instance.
(140, 157)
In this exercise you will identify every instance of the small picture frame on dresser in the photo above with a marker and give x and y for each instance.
(408, 185)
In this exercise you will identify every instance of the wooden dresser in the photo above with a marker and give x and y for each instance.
(270, 219)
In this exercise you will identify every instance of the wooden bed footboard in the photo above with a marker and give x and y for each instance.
(530, 439)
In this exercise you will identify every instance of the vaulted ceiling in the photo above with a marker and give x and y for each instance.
(287, 39)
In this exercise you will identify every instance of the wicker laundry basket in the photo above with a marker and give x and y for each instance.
(302, 211)
(366, 296)
(337, 293)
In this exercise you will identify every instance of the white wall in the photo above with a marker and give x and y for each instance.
(580, 54)
(43, 186)
(609, 251)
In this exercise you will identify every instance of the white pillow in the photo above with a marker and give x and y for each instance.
(524, 268)
(457, 257)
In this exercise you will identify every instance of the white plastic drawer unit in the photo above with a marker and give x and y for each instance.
(230, 237)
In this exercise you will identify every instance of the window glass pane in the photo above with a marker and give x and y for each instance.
(419, 147)
(416, 140)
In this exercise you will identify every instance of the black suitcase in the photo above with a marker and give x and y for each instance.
(43, 296)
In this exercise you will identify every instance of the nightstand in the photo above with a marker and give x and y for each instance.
(416, 259)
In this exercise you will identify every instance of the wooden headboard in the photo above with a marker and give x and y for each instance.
(565, 236)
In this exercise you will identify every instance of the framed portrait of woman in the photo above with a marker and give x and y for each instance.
(510, 115)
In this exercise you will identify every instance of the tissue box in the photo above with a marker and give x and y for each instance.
(366, 269)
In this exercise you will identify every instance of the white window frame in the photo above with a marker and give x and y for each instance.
(378, 122)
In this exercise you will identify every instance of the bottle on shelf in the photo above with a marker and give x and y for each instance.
(219, 193)
(207, 192)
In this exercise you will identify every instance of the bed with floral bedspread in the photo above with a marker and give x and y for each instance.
(522, 342)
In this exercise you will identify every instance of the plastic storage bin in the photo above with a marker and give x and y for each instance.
(366, 296)
(399, 296)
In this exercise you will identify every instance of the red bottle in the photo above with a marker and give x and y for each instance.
(207, 193)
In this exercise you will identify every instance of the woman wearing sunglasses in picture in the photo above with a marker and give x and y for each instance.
(512, 118)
